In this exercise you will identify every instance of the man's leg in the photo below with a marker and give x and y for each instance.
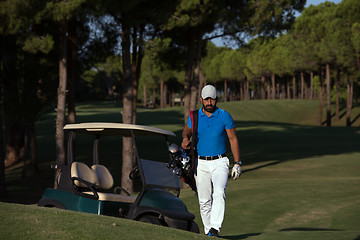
(204, 188)
(219, 181)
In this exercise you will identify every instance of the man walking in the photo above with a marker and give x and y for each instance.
(212, 164)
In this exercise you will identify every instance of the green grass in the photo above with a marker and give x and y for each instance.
(299, 181)
(32, 222)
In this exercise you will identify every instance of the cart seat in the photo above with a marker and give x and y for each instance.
(106, 181)
(82, 171)
(99, 177)
(104, 177)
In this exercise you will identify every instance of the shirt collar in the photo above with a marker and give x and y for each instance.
(214, 114)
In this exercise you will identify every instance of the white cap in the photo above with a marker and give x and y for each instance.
(208, 91)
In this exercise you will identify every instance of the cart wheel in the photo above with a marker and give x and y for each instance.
(150, 219)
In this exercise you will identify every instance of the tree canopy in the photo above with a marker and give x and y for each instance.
(114, 49)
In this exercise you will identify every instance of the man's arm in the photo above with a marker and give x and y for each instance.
(234, 143)
(186, 137)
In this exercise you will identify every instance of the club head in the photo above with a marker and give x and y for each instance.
(173, 148)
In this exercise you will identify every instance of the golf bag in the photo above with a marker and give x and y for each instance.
(183, 161)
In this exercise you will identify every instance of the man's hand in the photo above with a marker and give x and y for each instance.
(236, 171)
(185, 143)
(185, 135)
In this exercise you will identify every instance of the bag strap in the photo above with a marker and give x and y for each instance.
(194, 115)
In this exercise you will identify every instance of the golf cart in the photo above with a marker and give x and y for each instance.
(89, 188)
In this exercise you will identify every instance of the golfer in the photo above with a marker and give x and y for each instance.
(212, 165)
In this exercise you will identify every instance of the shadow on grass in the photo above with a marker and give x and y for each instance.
(261, 166)
(342, 114)
(241, 236)
(355, 119)
(309, 229)
(296, 229)
(278, 142)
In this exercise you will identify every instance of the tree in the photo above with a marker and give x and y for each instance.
(158, 67)
(345, 32)
(279, 58)
(312, 25)
(28, 46)
(72, 62)
(211, 52)
(137, 19)
(61, 12)
(257, 64)
(189, 22)
(198, 19)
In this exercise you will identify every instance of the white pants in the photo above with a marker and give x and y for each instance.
(211, 179)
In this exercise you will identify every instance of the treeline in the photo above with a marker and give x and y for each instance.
(55, 53)
(317, 58)
(321, 50)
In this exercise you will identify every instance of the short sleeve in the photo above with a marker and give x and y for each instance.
(189, 122)
(228, 120)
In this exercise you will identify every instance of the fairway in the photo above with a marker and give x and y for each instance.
(299, 181)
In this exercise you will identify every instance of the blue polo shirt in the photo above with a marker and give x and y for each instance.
(212, 132)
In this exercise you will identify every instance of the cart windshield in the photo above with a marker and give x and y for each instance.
(157, 174)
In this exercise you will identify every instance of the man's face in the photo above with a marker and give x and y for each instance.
(209, 104)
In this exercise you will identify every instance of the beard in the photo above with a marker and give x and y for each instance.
(209, 108)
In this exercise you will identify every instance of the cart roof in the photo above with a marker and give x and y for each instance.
(116, 129)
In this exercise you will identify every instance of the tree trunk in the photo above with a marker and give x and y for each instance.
(135, 82)
(247, 96)
(153, 97)
(3, 191)
(127, 112)
(225, 90)
(283, 92)
(13, 113)
(165, 95)
(350, 84)
(15, 141)
(162, 94)
(30, 144)
(196, 80)
(137, 56)
(172, 101)
(60, 110)
(188, 74)
(268, 89)
(145, 97)
(134, 102)
(273, 86)
(201, 85)
(302, 85)
(288, 88)
(311, 97)
(71, 70)
(321, 105)
(241, 90)
(294, 87)
(262, 88)
(328, 96)
(337, 100)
